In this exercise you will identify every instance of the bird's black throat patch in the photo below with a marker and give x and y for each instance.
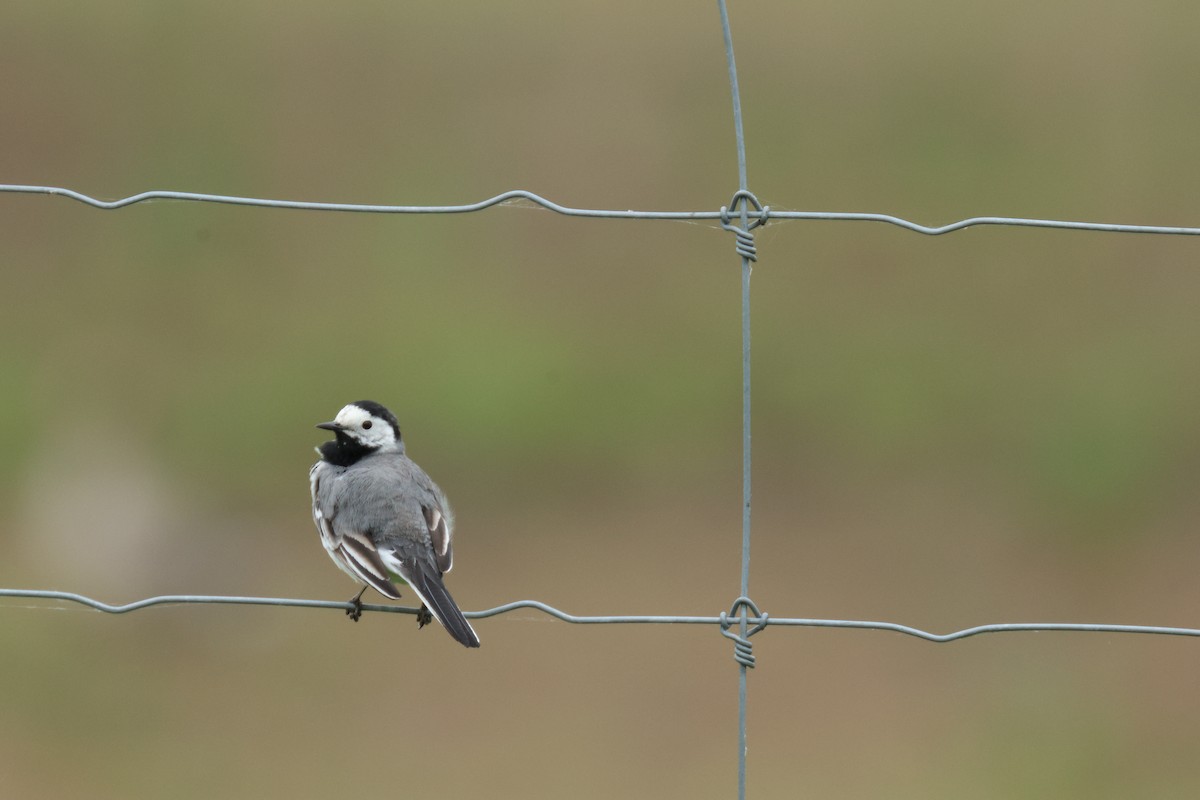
(344, 450)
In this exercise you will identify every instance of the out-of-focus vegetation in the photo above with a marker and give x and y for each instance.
(994, 425)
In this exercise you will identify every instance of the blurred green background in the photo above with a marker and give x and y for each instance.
(995, 425)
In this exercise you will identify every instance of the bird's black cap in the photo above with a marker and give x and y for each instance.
(381, 411)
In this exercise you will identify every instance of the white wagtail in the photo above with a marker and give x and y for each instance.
(380, 515)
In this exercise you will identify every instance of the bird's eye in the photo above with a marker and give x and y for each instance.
(367, 425)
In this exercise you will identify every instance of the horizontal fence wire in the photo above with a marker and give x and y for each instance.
(605, 619)
(520, 196)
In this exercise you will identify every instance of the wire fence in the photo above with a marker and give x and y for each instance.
(741, 216)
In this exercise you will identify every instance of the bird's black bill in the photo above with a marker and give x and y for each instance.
(329, 426)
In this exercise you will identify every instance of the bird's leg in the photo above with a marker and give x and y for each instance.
(356, 602)
(423, 616)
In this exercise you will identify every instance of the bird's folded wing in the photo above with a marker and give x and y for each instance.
(358, 552)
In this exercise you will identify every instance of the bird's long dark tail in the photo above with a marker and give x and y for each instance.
(436, 597)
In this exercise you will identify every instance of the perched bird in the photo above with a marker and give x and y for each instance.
(380, 515)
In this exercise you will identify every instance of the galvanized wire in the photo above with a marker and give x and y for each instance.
(743, 651)
(521, 196)
(755, 618)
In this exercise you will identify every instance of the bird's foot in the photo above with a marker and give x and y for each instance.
(423, 617)
(355, 610)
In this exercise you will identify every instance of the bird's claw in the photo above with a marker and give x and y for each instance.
(355, 610)
(423, 617)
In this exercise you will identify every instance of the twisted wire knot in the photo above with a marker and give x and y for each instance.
(743, 650)
(743, 199)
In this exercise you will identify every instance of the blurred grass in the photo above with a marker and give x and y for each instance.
(986, 426)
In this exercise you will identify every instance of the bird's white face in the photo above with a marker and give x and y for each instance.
(362, 426)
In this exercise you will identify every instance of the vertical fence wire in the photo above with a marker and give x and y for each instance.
(743, 186)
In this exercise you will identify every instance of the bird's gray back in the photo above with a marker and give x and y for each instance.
(381, 495)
